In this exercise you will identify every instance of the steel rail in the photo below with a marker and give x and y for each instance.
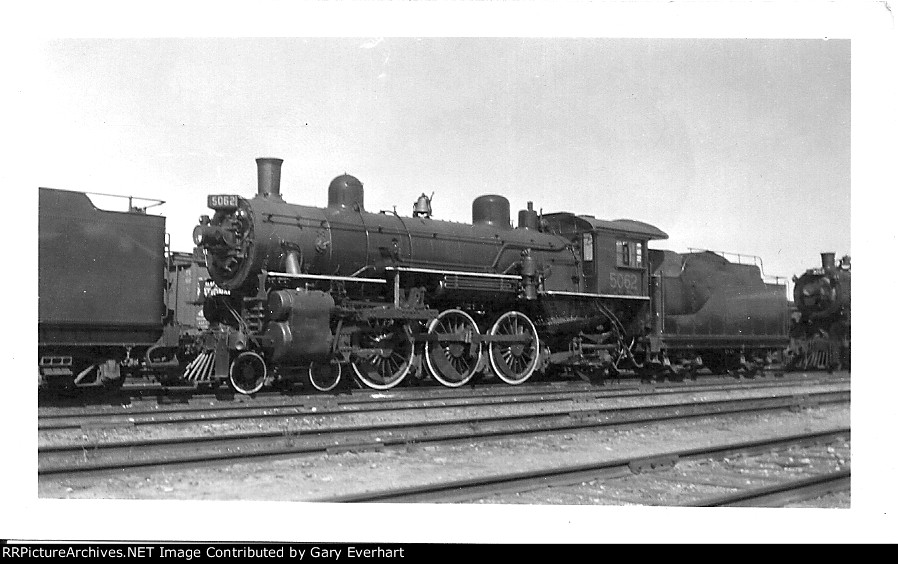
(778, 495)
(178, 402)
(477, 488)
(198, 414)
(145, 393)
(71, 459)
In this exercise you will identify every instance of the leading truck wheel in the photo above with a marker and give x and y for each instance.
(451, 353)
(247, 374)
(515, 358)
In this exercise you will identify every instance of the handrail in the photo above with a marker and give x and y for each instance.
(131, 206)
(755, 261)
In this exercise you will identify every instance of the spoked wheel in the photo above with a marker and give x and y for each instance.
(324, 377)
(248, 372)
(514, 360)
(453, 361)
(385, 355)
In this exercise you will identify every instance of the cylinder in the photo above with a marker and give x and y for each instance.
(280, 304)
(281, 338)
(828, 260)
(270, 178)
(491, 210)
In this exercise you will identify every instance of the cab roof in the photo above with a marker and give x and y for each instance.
(590, 223)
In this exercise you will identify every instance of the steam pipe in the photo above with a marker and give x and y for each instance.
(291, 262)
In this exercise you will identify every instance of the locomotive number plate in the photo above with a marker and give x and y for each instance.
(628, 283)
(223, 202)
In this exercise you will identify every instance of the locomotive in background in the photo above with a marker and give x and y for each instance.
(308, 292)
(821, 331)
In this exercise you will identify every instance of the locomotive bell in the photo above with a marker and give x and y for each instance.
(345, 191)
(422, 206)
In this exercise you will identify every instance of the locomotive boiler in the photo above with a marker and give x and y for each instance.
(306, 291)
(821, 334)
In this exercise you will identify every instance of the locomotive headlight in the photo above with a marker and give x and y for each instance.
(198, 232)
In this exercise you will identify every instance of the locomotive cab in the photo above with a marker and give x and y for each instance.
(613, 254)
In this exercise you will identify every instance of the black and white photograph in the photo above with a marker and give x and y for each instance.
(484, 273)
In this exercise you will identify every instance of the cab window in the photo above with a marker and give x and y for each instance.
(629, 253)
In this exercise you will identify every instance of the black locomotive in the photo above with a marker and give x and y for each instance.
(821, 332)
(307, 293)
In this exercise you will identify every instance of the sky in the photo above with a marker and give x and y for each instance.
(760, 128)
(738, 145)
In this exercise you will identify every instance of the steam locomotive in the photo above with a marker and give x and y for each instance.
(306, 293)
(821, 332)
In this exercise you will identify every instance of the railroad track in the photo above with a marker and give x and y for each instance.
(69, 459)
(374, 402)
(781, 493)
(785, 493)
(151, 392)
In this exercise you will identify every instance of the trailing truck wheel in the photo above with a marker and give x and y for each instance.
(384, 354)
(247, 374)
(325, 377)
(451, 355)
(514, 361)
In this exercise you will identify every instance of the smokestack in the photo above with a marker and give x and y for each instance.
(828, 260)
(270, 178)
